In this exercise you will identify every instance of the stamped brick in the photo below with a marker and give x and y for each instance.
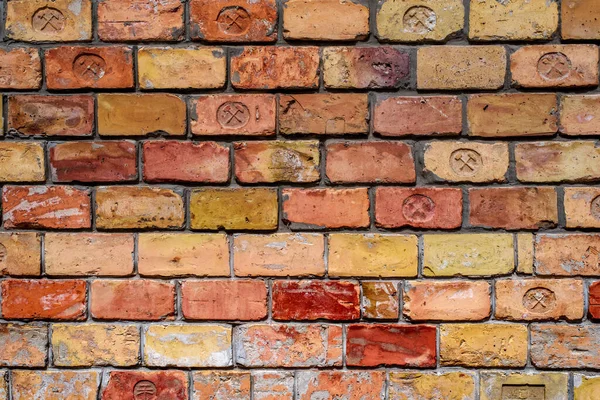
(80, 67)
(44, 299)
(372, 255)
(468, 254)
(380, 300)
(324, 114)
(582, 207)
(567, 254)
(216, 300)
(238, 114)
(419, 21)
(418, 115)
(51, 115)
(288, 345)
(579, 21)
(447, 301)
(494, 20)
(461, 67)
(271, 385)
(452, 385)
(24, 345)
(573, 161)
(376, 161)
(312, 299)
(49, 21)
(20, 254)
(341, 384)
(175, 161)
(326, 208)
(470, 161)
(101, 254)
(279, 254)
(512, 114)
(548, 385)
(594, 301)
(22, 162)
(234, 209)
(141, 114)
(555, 66)
(93, 161)
(138, 207)
(483, 345)
(371, 345)
(221, 385)
(132, 300)
(180, 254)
(433, 208)
(168, 67)
(134, 385)
(277, 161)
(46, 207)
(580, 114)
(514, 208)
(275, 68)
(54, 385)
(565, 346)
(20, 68)
(365, 67)
(132, 20)
(233, 20)
(539, 299)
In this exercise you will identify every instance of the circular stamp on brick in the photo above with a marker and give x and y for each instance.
(144, 390)
(48, 20)
(554, 66)
(465, 162)
(234, 20)
(419, 19)
(418, 208)
(233, 114)
(539, 300)
(595, 207)
(89, 67)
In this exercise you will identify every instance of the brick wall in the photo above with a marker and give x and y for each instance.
(306, 199)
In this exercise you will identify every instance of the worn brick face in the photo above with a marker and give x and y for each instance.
(54, 385)
(20, 68)
(130, 385)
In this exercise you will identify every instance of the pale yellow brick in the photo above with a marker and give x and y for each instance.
(528, 385)
(525, 253)
(453, 385)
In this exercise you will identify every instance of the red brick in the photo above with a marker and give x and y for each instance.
(370, 345)
(351, 385)
(272, 385)
(310, 300)
(136, 300)
(89, 67)
(288, 345)
(326, 208)
(171, 160)
(93, 161)
(594, 300)
(422, 115)
(44, 299)
(239, 114)
(146, 385)
(135, 20)
(242, 300)
(53, 207)
(514, 208)
(233, 20)
(275, 68)
(51, 115)
(20, 68)
(431, 208)
(381, 162)
(215, 385)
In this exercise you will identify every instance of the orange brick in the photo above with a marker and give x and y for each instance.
(20, 253)
(341, 384)
(20, 68)
(567, 254)
(579, 114)
(272, 385)
(380, 300)
(580, 20)
(221, 385)
(24, 345)
(89, 67)
(582, 207)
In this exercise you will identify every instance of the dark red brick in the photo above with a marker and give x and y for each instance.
(594, 310)
(142, 385)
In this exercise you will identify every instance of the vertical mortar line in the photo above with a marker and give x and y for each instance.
(186, 22)
(269, 283)
(371, 196)
(372, 20)
(326, 240)
(136, 254)
(420, 256)
(344, 347)
(134, 55)
(516, 253)
(560, 202)
(280, 10)
(190, 377)
(95, 37)
(100, 383)
(400, 288)
(178, 299)
(571, 386)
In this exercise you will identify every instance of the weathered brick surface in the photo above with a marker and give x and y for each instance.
(343, 384)
(24, 345)
(54, 385)
(380, 300)
(565, 346)
(130, 385)
(21, 253)
(580, 20)
(567, 254)
(20, 68)
(22, 162)
(579, 114)
(221, 384)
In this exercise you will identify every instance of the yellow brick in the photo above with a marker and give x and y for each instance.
(181, 68)
(512, 20)
(21, 253)
(95, 345)
(372, 255)
(525, 253)
(187, 346)
(461, 67)
(483, 345)
(3, 385)
(432, 385)
(54, 385)
(476, 254)
(586, 387)
(419, 20)
(22, 162)
(527, 385)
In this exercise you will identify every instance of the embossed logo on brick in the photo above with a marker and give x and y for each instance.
(554, 66)
(539, 300)
(523, 392)
(465, 162)
(595, 207)
(418, 208)
(233, 115)
(48, 20)
(419, 19)
(234, 20)
(144, 390)
(89, 67)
